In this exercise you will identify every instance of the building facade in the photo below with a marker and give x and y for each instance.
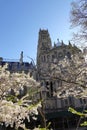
(49, 56)
(17, 66)
(56, 71)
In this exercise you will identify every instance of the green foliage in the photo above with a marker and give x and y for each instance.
(47, 127)
(32, 91)
(19, 102)
(43, 129)
(81, 114)
(84, 123)
(16, 102)
(11, 98)
(76, 112)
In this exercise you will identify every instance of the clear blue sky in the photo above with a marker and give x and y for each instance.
(20, 21)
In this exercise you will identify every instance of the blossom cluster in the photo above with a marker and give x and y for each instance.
(14, 113)
(72, 74)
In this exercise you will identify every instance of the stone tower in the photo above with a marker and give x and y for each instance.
(44, 45)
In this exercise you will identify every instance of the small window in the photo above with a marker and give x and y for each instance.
(47, 84)
(51, 88)
(66, 102)
(48, 57)
(53, 57)
(41, 59)
(44, 58)
(64, 51)
(81, 101)
(55, 53)
(60, 55)
(84, 101)
(69, 55)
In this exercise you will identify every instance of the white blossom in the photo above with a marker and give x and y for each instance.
(15, 112)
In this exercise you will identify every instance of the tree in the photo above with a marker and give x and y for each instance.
(71, 73)
(16, 105)
(79, 19)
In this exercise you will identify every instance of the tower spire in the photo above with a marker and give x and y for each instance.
(21, 57)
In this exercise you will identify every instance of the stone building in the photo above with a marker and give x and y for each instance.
(49, 56)
(49, 63)
(17, 66)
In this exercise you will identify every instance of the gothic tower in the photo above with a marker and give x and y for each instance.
(44, 45)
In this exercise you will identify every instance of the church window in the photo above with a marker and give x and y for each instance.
(66, 102)
(47, 84)
(41, 59)
(60, 55)
(48, 57)
(51, 88)
(44, 58)
(55, 53)
(44, 37)
(41, 84)
(53, 58)
(84, 101)
(60, 83)
(62, 103)
(64, 51)
(71, 101)
(69, 55)
(10, 66)
(81, 101)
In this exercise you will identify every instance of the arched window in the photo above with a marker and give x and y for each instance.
(44, 58)
(53, 58)
(55, 53)
(60, 55)
(48, 57)
(69, 55)
(51, 88)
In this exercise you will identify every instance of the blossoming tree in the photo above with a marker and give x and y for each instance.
(15, 102)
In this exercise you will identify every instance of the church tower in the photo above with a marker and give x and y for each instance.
(44, 45)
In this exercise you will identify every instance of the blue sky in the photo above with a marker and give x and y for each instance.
(20, 21)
